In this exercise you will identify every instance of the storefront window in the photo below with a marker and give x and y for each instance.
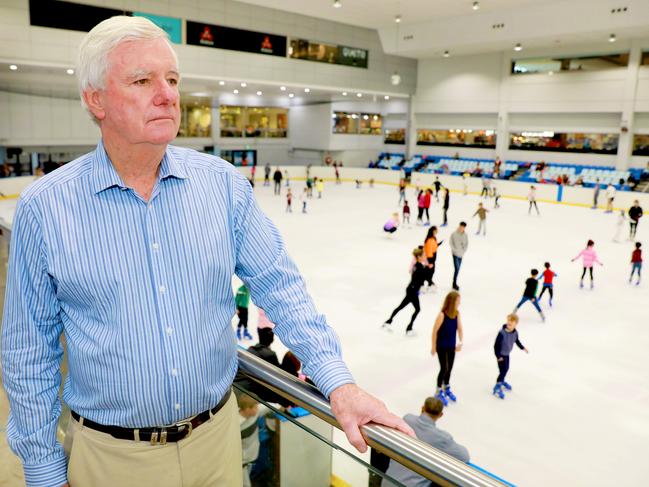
(357, 123)
(573, 63)
(457, 137)
(641, 145)
(195, 118)
(645, 59)
(254, 122)
(395, 136)
(564, 142)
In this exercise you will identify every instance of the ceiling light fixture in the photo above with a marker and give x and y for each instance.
(259, 93)
(291, 95)
(69, 71)
(551, 73)
(13, 67)
(307, 90)
(386, 97)
(397, 19)
(338, 4)
(612, 38)
(344, 93)
(236, 92)
(243, 85)
(282, 88)
(395, 79)
(221, 83)
(476, 5)
(359, 95)
(447, 54)
(518, 47)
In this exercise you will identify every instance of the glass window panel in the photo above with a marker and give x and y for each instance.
(395, 136)
(231, 121)
(572, 63)
(565, 142)
(641, 145)
(195, 117)
(457, 137)
(345, 123)
(370, 123)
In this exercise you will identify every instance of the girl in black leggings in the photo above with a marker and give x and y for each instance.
(419, 272)
(447, 327)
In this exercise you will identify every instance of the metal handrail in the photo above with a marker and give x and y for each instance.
(418, 456)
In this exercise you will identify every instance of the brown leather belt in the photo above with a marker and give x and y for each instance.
(159, 434)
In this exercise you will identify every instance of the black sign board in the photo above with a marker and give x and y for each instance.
(328, 53)
(68, 15)
(199, 34)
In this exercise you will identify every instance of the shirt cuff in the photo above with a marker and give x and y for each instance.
(47, 474)
(331, 375)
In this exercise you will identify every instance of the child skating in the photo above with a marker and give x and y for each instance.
(531, 197)
(242, 301)
(482, 219)
(619, 225)
(392, 224)
(589, 258)
(319, 187)
(418, 275)
(531, 286)
(636, 263)
(548, 276)
(507, 337)
(289, 201)
(304, 196)
(406, 213)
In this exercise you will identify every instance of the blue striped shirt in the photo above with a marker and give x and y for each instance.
(143, 294)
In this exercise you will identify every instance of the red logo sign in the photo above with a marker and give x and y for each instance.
(266, 45)
(206, 36)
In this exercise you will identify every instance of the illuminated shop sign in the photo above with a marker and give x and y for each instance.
(328, 53)
(208, 35)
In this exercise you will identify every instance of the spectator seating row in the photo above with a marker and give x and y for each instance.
(460, 166)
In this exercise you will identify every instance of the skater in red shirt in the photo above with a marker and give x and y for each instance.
(427, 198)
(636, 262)
(548, 276)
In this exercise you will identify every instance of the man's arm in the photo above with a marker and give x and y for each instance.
(277, 287)
(31, 354)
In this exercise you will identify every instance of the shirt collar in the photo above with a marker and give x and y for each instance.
(427, 419)
(105, 176)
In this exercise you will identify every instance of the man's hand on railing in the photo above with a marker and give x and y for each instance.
(353, 408)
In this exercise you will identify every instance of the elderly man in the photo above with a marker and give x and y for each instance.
(130, 251)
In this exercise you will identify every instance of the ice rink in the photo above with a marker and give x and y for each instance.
(579, 411)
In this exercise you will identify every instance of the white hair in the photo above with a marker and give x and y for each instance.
(92, 61)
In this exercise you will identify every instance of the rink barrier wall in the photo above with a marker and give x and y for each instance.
(545, 193)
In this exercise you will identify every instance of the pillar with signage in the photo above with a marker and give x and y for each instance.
(625, 143)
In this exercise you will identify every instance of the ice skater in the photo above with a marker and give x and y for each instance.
(303, 199)
(418, 275)
(438, 186)
(589, 258)
(619, 225)
(420, 207)
(548, 276)
(507, 337)
(358, 184)
(319, 187)
(531, 197)
(430, 251)
(465, 183)
(406, 213)
(446, 205)
(598, 188)
(267, 175)
(496, 194)
(277, 178)
(289, 201)
(531, 287)
(610, 197)
(427, 199)
(485, 187)
(635, 213)
(242, 301)
(392, 224)
(482, 219)
(459, 244)
(286, 178)
(636, 263)
(402, 190)
(447, 328)
(337, 174)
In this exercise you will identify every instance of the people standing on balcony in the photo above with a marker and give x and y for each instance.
(505, 341)
(147, 312)
(589, 259)
(446, 331)
(418, 274)
(610, 197)
(635, 213)
(531, 197)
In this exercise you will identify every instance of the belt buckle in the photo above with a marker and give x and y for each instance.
(187, 423)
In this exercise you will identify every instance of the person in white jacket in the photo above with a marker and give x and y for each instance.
(610, 197)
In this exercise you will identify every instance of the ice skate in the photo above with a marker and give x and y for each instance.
(581, 284)
(498, 391)
(387, 326)
(411, 333)
(440, 395)
(449, 394)
(247, 335)
(507, 386)
(542, 317)
(592, 285)
(239, 334)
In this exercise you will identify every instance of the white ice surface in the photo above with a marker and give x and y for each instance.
(579, 412)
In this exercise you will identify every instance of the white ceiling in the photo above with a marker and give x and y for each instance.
(375, 14)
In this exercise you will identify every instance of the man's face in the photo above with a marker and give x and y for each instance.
(460, 229)
(140, 101)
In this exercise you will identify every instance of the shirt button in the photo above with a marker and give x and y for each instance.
(177, 406)
(174, 372)
(156, 245)
(169, 331)
(162, 289)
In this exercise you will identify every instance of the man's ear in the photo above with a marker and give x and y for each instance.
(94, 103)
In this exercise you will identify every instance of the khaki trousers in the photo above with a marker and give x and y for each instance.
(210, 456)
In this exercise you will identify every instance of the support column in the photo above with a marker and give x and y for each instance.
(627, 124)
(502, 124)
(411, 129)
